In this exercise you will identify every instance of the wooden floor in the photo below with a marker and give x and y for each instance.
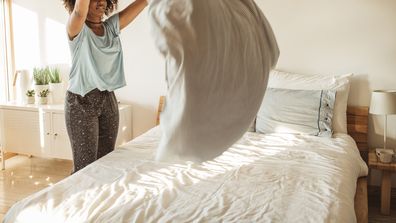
(24, 176)
(374, 207)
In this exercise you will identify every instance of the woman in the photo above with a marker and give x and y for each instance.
(97, 70)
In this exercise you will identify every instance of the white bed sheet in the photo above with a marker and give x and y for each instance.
(262, 178)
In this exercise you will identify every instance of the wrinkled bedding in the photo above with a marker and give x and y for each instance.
(218, 56)
(261, 178)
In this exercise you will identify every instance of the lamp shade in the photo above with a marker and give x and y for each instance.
(383, 102)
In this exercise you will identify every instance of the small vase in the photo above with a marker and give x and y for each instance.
(56, 93)
(40, 88)
(43, 100)
(30, 100)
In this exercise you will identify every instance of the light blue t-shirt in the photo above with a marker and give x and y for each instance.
(97, 61)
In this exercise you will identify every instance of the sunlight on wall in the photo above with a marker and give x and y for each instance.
(26, 37)
(38, 40)
(56, 43)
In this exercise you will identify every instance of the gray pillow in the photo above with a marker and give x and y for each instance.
(297, 112)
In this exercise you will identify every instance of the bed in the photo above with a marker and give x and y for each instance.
(274, 177)
(262, 178)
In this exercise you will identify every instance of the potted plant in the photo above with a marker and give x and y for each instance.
(41, 79)
(43, 97)
(56, 86)
(30, 96)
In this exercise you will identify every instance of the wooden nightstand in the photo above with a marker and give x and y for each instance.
(387, 170)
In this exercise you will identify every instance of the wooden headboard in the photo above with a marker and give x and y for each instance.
(160, 109)
(357, 120)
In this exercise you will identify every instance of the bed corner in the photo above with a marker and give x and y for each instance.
(357, 121)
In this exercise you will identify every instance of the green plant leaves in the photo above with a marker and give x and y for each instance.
(44, 76)
(30, 93)
(43, 93)
(55, 76)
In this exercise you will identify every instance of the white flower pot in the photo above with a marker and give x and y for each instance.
(30, 100)
(38, 89)
(43, 100)
(57, 93)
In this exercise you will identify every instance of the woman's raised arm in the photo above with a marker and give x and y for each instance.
(129, 13)
(77, 18)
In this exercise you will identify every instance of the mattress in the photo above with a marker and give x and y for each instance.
(261, 178)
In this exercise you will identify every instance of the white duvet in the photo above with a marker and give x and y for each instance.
(262, 178)
(218, 56)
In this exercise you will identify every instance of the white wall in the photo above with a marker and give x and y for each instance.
(144, 68)
(330, 37)
(39, 33)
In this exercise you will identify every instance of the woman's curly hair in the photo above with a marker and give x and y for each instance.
(111, 6)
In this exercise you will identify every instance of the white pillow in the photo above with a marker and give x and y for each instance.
(339, 83)
(296, 112)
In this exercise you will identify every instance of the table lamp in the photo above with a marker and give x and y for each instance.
(383, 102)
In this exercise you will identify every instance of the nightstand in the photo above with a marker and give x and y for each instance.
(387, 169)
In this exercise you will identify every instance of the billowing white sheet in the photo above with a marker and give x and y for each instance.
(262, 178)
(218, 55)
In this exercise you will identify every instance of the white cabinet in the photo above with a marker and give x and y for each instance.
(41, 130)
(56, 139)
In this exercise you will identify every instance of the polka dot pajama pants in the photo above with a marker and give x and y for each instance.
(92, 124)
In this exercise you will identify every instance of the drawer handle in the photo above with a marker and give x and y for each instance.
(56, 134)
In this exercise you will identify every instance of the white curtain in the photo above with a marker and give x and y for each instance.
(5, 49)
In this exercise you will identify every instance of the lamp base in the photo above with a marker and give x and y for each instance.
(385, 155)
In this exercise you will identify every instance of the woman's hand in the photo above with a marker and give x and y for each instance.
(131, 12)
(77, 18)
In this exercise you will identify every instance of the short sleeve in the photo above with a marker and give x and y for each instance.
(114, 24)
(78, 39)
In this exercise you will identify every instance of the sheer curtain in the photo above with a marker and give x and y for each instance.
(6, 61)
